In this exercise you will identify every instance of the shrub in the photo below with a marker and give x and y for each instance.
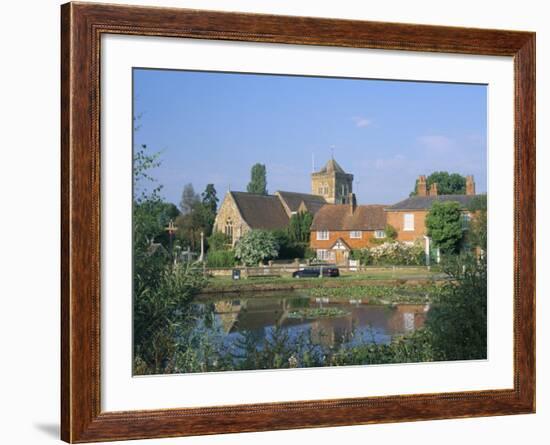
(458, 319)
(219, 241)
(391, 253)
(255, 246)
(444, 224)
(220, 258)
(362, 255)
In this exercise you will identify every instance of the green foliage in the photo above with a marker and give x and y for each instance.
(288, 249)
(255, 246)
(162, 311)
(162, 314)
(220, 258)
(143, 181)
(361, 255)
(299, 227)
(198, 217)
(391, 232)
(189, 199)
(379, 294)
(477, 233)
(478, 203)
(444, 224)
(447, 183)
(210, 199)
(391, 253)
(412, 348)
(391, 235)
(276, 350)
(458, 319)
(219, 241)
(258, 180)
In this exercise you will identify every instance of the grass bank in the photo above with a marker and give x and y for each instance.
(324, 286)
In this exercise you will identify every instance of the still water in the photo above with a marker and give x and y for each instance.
(349, 321)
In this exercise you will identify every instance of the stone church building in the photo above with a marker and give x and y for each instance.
(240, 212)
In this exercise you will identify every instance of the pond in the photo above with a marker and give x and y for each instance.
(326, 321)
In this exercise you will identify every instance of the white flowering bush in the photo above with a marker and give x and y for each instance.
(392, 253)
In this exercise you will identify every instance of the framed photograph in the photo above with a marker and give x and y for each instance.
(274, 222)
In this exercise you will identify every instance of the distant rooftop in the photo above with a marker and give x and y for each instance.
(261, 211)
(426, 202)
(331, 166)
(339, 217)
(293, 200)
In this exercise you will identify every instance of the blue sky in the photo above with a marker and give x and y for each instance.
(212, 127)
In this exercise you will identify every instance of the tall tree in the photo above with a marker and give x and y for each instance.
(444, 224)
(188, 199)
(210, 198)
(299, 227)
(258, 180)
(447, 183)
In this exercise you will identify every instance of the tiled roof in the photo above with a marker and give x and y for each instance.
(425, 202)
(339, 217)
(261, 211)
(293, 201)
(331, 166)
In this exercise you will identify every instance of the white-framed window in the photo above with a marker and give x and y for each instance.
(356, 234)
(408, 222)
(324, 254)
(379, 234)
(322, 235)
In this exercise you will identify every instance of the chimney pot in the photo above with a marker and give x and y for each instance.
(470, 185)
(433, 189)
(352, 203)
(421, 187)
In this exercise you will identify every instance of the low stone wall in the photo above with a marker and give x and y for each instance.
(288, 269)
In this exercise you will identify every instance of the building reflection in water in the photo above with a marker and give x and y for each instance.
(361, 322)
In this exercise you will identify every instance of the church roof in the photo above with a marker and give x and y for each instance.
(261, 211)
(332, 166)
(425, 202)
(339, 217)
(293, 200)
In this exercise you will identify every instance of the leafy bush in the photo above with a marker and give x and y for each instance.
(444, 224)
(219, 241)
(161, 315)
(255, 246)
(391, 253)
(458, 319)
(220, 258)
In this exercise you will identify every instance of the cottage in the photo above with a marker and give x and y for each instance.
(339, 228)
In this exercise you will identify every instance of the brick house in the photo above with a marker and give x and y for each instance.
(408, 217)
(339, 228)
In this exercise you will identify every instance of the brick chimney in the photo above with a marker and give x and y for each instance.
(470, 185)
(433, 189)
(421, 189)
(352, 203)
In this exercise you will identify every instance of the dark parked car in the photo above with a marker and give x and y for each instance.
(329, 270)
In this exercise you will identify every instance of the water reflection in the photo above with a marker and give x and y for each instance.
(356, 322)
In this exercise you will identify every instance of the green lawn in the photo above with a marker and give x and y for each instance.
(347, 278)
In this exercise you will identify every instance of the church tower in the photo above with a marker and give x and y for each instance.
(332, 183)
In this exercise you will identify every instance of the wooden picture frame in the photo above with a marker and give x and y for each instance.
(82, 26)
